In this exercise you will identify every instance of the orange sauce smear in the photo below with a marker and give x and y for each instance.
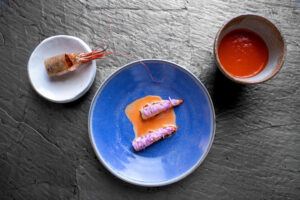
(243, 53)
(140, 126)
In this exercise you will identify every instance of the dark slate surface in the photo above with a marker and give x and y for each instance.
(45, 152)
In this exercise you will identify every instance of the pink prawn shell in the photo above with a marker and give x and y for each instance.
(150, 110)
(151, 137)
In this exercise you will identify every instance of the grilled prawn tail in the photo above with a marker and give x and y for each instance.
(144, 141)
(150, 110)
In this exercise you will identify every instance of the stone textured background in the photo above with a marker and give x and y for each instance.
(45, 152)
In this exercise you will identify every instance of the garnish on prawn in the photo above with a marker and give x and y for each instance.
(153, 109)
(63, 63)
(144, 141)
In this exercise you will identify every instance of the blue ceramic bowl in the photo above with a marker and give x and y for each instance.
(168, 160)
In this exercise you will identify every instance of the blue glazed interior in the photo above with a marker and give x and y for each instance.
(169, 159)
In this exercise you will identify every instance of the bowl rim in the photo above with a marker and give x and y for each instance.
(245, 81)
(164, 183)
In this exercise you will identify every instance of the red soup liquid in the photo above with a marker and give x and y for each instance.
(243, 53)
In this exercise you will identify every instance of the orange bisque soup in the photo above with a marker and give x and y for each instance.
(243, 53)
(140, 126)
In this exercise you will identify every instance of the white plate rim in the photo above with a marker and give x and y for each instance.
(67, 100)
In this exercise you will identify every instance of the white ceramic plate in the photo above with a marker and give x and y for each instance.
(65, 88)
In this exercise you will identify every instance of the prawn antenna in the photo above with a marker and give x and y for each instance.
(95, 51)
(108, 32)
(141, 62)
(146, 67)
